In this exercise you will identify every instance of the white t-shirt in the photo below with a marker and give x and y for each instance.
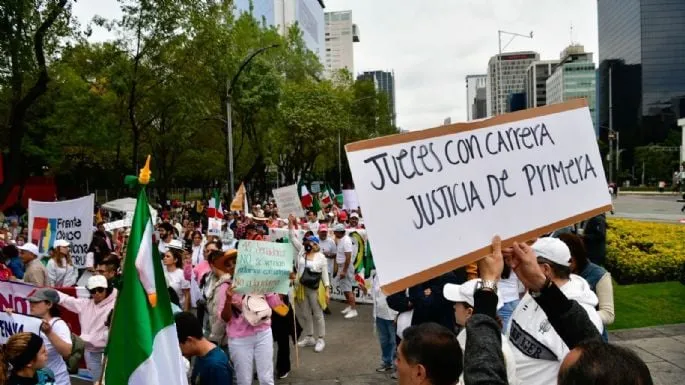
(344, 246)
(508, 288)
(55, 361)
(313, 226)
(328, 246)
(177, 281)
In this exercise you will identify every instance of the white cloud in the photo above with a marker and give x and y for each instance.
(433, 44)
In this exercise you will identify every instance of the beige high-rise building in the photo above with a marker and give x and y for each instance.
(341, 33)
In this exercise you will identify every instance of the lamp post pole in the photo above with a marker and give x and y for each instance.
(340, 144)
(229, 121)
(498, 89)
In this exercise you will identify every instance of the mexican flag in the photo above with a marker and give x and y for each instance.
(214, 208)
(327, 196)
(305, 196)
(143, 345)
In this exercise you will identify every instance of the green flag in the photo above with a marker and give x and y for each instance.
(143, 345)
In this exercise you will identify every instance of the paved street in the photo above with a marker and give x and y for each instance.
(649, 208)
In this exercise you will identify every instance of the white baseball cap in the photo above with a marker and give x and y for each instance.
(30, 247)
(553, 249)
(61, 243)
(96, 281)
(354, 215)
(465, 292)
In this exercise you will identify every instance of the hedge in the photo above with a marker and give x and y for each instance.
(639, 252)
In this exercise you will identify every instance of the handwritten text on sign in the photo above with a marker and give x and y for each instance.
(445, 193)
(263, 267)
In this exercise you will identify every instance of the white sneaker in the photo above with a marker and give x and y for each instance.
(306, 341)
(351, 314)
(320, 344)
(346, 310)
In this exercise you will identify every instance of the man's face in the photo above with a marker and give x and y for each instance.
(323, 235)
(339, 234)
(311, 216)
(106, 271)
(462, 313)
(101, 227)
(162, 233)
(354, 221)
(26, 256)
(187, 347)
(98, 294)
(408, 373)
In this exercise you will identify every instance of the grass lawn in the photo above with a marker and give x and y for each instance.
(648, 304)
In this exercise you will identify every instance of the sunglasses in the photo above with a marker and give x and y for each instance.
(97, 290)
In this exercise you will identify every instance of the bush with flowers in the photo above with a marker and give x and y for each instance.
(640, 252)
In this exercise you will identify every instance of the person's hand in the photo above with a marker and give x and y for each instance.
(427, 292)
(491, 266)
(341, 275)
(45, 327)
(8, 310)
(525, 264)
(229, 291)
(328, 296)
(292, 276)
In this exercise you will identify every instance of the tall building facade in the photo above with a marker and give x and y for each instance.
(512, 78)
(308, 14)
(641, 72)
(473, 83)
(341, 34)
(384, 81)
(536, 82)
(574, 78)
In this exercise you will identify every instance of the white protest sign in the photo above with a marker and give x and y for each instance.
(434, 199)
(288, 201)
(70, 220)
(17, 323)
(350, 200)
(214, 226)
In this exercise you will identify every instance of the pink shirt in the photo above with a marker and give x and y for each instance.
(239, 327)
(92, 318)
(201, 269)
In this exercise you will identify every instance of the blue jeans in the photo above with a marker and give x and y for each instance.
(505, 314)
(386, 337)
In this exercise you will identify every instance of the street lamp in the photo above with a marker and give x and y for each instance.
(229, 122)
(499, 61)
(340, 143)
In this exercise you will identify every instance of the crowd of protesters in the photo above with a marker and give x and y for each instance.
(527, 314)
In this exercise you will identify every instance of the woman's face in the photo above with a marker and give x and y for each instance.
(573, 265)
(40, 309)
(41, 359)
(197, 240)
(168, 259)
(64, 250)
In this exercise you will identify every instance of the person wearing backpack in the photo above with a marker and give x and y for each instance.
(248, 328)
(56, 334)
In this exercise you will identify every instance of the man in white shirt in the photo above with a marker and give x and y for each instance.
(328, 247)
(166, 235)
(343, 259)
(312, 221)
(537, 347)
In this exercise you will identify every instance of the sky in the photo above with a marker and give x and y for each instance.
(432, 45)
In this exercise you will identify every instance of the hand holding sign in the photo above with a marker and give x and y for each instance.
(491, 266)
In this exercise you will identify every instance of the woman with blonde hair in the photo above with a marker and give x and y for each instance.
(312, 269)
(22, 361)
(61, 269)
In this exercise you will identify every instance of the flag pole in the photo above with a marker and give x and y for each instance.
(297, 351)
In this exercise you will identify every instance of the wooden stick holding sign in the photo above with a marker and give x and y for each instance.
(451, 188)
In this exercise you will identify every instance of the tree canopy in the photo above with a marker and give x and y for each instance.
(88, 112)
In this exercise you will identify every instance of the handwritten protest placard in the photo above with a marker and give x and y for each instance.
(263, 267)
(434, 199)
(17, 323)
(288, 201)
(70, 220)
(214, 226)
